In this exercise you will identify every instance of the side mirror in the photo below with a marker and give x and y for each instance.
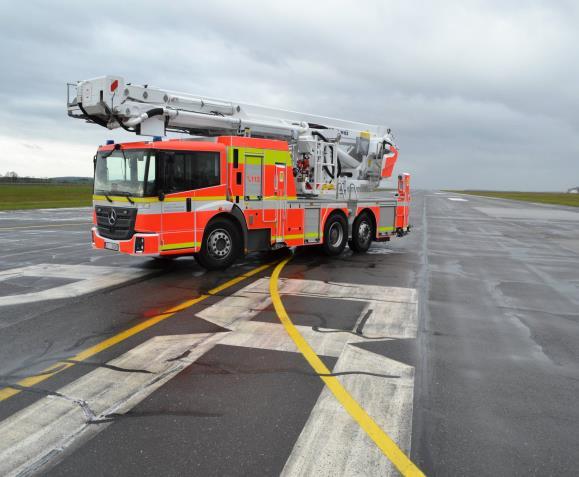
(161, 196)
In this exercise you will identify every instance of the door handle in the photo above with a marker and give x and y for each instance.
(188, 204)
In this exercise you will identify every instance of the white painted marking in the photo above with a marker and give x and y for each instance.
(90, 278)
(457, 199)
(39, 250)
(380, 251)
(394, 308)
(36, 435)
(62, 214)
(272, 336)
(519, 211)
(330, 443)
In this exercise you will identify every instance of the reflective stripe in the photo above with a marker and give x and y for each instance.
(287, 237)
(297, 236)
(279, 197)
(176, 246)
(115, 198)
(385, 229)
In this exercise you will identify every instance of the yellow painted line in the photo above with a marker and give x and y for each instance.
(384, 442)
(30, 381)
(44, 226)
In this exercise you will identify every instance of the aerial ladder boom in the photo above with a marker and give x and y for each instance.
(323, 149)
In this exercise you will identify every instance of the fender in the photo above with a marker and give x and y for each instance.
(238, 214)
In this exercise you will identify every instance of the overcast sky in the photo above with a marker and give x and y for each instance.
(478, 94)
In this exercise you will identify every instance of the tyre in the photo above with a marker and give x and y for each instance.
(362, 233)
(335, 235)
(221, 245)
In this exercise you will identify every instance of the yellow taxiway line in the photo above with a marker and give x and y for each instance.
(384, 442)
(59, 366)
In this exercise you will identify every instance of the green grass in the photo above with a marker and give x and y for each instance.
(558, 198)
(43, 196)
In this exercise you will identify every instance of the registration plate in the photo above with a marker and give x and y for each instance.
(112, 246)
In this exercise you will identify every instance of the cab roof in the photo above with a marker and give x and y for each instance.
(218, 143)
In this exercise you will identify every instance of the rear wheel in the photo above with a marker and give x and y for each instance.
(335, 235)
(221, 245)
(362, 232)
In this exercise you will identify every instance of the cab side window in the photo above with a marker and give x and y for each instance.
(204, 170)
(190, 170)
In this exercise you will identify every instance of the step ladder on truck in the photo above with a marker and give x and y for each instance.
(246, 178)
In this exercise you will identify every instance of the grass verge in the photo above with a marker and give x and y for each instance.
(44, 196)
(557, 198)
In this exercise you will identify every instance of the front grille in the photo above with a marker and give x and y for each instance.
(122, 228)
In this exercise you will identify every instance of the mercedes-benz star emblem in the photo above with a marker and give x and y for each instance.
(112, 217)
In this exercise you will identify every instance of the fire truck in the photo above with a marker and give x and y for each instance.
(240, 178)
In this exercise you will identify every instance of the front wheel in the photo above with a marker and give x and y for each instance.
(221, 245)
(335, 235)
(362, 232)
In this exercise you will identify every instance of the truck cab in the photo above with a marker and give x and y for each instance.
(146, 193)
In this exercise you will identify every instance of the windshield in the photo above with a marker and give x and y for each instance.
(125, 172)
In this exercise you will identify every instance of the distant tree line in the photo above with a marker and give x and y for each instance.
(12, 177)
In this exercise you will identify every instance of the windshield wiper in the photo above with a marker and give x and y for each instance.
(108, 198)
(128, 195)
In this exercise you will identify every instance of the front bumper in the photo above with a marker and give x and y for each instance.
(138, 244)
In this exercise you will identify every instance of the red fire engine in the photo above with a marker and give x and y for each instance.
(251, 179)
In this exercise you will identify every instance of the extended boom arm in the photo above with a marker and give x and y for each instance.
(358, 151)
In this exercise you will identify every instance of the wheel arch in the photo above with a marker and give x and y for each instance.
(344, 216)
(335, 212)
(335, 249)
(236, 217)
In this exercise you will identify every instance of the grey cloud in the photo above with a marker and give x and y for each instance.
(479, 94)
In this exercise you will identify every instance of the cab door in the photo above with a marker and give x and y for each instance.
(178, 217)
(280, 193)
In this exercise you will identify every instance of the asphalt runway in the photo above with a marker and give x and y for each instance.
(460, 341)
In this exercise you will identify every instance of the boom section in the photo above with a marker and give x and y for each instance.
(111, 102)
